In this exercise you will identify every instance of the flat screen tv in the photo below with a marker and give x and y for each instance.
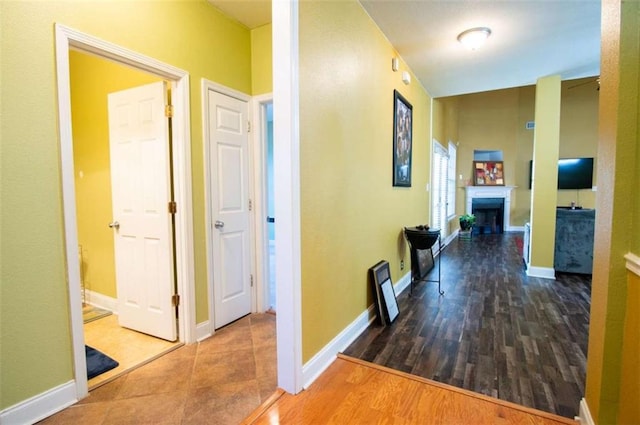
(573, 173)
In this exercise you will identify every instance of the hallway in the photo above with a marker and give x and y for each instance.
(220, 380)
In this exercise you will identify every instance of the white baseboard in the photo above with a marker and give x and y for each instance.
(323, 359)
(402, 284)
(451, 237)
(542, 272)
(203, 331)
(41, 406)
(515, 228)
(99, 300)
(585, 415)
(633, 263)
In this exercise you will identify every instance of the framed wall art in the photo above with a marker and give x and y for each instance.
(488, 173)
(402, 140)
(383, 293)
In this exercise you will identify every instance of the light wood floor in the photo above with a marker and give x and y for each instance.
(352, 391)
(129, 348)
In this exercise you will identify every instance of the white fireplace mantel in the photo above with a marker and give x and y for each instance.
(492, 192)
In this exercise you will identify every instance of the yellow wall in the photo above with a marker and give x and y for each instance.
(261, 69)
(490, 121)
(352, 217)
(191, 35)
(630, 360)
(521, 201)
(545, 172)
(612, 362)
(579, 133)
(92, 79)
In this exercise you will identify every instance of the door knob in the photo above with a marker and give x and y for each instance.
(114, 225)
(219, 224)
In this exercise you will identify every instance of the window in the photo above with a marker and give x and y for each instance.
(451, 182)
(440, 167)
(443, 184)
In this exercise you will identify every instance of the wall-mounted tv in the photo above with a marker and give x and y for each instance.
(573, 173)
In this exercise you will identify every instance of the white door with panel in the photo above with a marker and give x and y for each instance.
(230, 211)
(141, 191)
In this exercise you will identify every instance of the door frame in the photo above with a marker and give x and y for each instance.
(66, 39)
(207, 85)
(259, 141)
(286, 153)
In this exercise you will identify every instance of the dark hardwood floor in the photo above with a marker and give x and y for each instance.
(495, 331)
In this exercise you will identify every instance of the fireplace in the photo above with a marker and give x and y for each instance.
(489, 214)
(493, 203)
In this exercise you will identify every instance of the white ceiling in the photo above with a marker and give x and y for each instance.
(250, 13)
(530, 39)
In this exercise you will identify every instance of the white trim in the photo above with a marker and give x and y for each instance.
(99, 300)
(207, 204)
(258, 107)
(184, 218)
(472, 192)
(66, 39)
(323, 359)
(451, 203)
(541, 272)
(450, 238)
(514, 229)
(205, 87)
(585, 417)
(403, 283)
(286, 135)
(63, 43)
(41, 406)
(203, 331)
(633, 263)
(227, 91)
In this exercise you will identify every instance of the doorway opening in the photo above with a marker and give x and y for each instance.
(265, 203)
(68, 40)
(106, 221)
(271, 207)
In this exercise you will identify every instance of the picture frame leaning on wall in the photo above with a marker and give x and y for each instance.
(383, 293)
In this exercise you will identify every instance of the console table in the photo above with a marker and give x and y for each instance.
(421, 239)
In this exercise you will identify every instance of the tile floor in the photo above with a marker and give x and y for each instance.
(129, 348)
(220, 380)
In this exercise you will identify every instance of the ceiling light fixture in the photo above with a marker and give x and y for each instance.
(474, 38)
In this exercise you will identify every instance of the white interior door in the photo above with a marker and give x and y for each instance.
(139, 145)
(228, 163)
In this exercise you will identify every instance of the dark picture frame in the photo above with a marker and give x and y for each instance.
(383, 293)
(488, 173)
(402, 140)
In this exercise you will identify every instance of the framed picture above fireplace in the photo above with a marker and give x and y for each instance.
(488, 173)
